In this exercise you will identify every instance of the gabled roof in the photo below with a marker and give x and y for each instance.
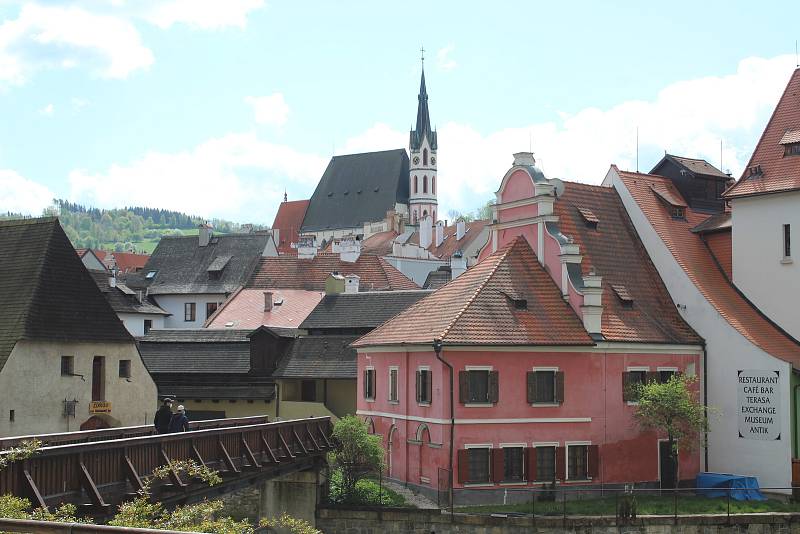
(128, 262)
(450, 245)
(291, 272)
(190, 351)
(181, 265)
(122, 299)
(380, 244)
(698, 263)
(319, 357)
(360, 310)
(358, 188)
(479, 308)
(245, 309)
(778, 172)
(288, 221)
(45, 290)
(97, 253)
(694, 165)
(613, 248)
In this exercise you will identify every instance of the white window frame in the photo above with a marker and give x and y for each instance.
(675, 370)
(479, 368)
(555, 444)
(546, 404)
(636, 368)
(397, 384)
(481, 446)
(374, 393)
(426, 368)
(522, 446)
(567, 445)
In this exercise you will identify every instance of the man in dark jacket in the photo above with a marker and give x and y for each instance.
(163, 416)
(179, 421)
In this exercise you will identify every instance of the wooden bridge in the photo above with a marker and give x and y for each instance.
(98, 469)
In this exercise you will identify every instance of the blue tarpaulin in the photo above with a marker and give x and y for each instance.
(742, 488)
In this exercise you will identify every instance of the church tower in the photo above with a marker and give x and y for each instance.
(422, 170)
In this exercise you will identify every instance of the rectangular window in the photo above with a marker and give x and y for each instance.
(545, 386)
(665, 376)
(478, 386)
(393, 384)
(11, 416)
(369, 384)
(577, 459)
(189, 311)
(787, 240)
(308, 391)
(148, 324)
(124, 368)
(424, 386)
(512, 464)
(478, 459)
(67, 365)
(211, 307)
(546, 463)
(630, 384)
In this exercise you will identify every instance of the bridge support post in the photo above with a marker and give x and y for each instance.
(296, 494)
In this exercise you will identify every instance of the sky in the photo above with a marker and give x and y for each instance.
(218, 107)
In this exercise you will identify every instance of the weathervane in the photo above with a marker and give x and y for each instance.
(422, 55)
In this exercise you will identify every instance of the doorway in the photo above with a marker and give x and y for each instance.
(99, 378)
(666, 472)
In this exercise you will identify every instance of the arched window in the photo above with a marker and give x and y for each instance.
(425, 157)
(424, 184)
(414, 218)
(424, 214)
(415, 184)
(433, 185)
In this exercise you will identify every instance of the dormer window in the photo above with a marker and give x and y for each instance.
(791, 143)
(792, 149)
(671, 199)
(589, 217)
(678, 212)
(623, 295)
(150, 275)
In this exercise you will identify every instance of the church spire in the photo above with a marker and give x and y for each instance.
(423, 127)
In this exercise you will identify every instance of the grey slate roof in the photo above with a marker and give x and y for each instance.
(716, 223)
(45, 290)
(122, 299)
(201, 351)
(360, 310)
(182, 266)
(698, 166)
(256, 388)
(319, 357)
(358, 188)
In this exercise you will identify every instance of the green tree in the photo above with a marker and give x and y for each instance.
(357, 454)
(672, 408)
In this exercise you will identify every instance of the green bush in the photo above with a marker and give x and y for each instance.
(367, 492)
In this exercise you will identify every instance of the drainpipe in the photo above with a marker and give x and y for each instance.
(705, 400)
(437, 347)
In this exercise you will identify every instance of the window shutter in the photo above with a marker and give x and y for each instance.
(530, 464)
(626, 386)
(561, 463)
(593, 461)
(419, 389)
(429, 387)
(463, 466)
(531, 387)
(560, 387)
(463, 386)
(372, 385)
(366, 387)
(498, 465)
(494, 386)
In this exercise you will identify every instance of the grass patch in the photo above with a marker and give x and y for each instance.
(646, 505)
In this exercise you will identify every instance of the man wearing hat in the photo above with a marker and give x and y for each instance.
(163, 416)
(179, 421)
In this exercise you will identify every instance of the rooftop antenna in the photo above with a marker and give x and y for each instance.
(530, 141)
(422, 56)
(720, 155)
(796, 57)
(637, 149)
(285, 196)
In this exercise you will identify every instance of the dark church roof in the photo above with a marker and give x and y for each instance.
(358, 188)
(45, 290)
(423, 128)
(319, 357)
(360, 310)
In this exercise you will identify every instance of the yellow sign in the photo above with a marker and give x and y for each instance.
(100, 407)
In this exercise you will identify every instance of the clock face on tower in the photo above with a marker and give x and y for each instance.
(433, 160)
(416, 160)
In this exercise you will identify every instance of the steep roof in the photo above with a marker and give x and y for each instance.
(288, 221)
(123, 299)
(245, 309)
(45, 290)
(506, 299)
(319, 357)
(358, 188)
(360, 310)
(291, 272)
(778, 172)
(694, 165)
(612, 247)
(128, 262)
(698, 263)
(423, 126)
(181, 265)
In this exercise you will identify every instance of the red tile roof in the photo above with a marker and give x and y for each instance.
(245, 309)
(478, 308)
(290, 272)
(380, 243)
(779, 172)
(101, 254)
(613, 248)
(288, 220)
(450, 244)
(697, 261)
(127, 262)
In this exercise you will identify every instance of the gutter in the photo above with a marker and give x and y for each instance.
(437, 347)
(705, 402)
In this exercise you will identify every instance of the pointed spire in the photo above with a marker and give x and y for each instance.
(423, 127)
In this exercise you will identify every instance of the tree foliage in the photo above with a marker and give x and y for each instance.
(290, 525)
(484, 212)
(357, 454)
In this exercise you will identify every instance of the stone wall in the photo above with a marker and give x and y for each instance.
(338, 521)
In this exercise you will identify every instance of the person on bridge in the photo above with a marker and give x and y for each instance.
(179, 421)
(163, 416)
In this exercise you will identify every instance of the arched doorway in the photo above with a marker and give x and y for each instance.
(424, 439)
(390, 449)
(370, 424)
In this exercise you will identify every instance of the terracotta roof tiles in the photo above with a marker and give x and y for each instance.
(288, 220)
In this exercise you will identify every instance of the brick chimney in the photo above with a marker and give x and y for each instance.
(439, 233)
(592, 309)
(204, 234)
(268, 301)
(425, 231)
(461, 230)
(351, 283)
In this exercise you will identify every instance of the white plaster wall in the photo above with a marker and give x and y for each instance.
(758, 270)
(92, 263)
(174, 304)
(31, 384)
(415, 269)
(727, 352)
(134, 322)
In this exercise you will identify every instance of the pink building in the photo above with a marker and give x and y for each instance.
(540, 341)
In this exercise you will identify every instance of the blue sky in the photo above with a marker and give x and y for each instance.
(214, 107)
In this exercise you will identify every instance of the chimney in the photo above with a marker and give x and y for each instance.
(458, 265)
(349, 249)
(267, 301)
(425, 230)
(112, 280)
(592, 309)
(351, 283)
(306, 247)
(334, 284)
(139, 295)
(439, 233)
(570, 258)
(461, 229)
(204, 234)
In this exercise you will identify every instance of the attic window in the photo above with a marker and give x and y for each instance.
(217, 266)
(622, 294)
(150, 275)
(589, 218)
(671, 199)
(791, 143)
(792, 149)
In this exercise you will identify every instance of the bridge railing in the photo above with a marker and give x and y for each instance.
(84, 436)
(109, 471)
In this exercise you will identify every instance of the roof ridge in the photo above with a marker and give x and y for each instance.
(480, 287)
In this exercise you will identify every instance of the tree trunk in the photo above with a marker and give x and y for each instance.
(674, 453)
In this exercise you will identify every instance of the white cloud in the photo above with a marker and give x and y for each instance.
(55, 37)
(48, 110)
(443, 59)
(202, 14)
(20, 195)
(271, 109)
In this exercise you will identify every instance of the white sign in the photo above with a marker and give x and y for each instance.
(759, 404)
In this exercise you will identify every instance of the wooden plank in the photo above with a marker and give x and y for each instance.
(285, 447)
(131, 473)
(90, 487)
(249, 453)
(270, 452)
(322, 433)
(173, 475)
(34, 489)
(300, 442)
(198, 456)
(311, 437)
(227, 458)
